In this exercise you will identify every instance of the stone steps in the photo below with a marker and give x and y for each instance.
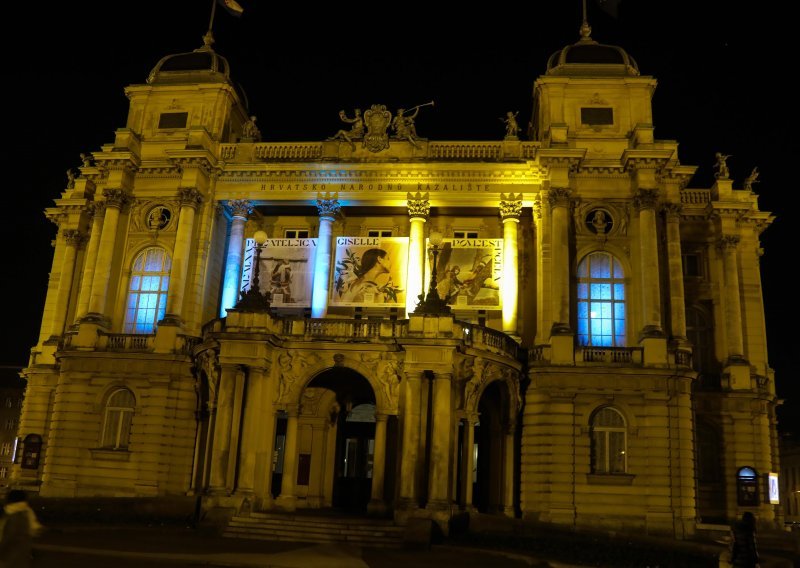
(321, 529)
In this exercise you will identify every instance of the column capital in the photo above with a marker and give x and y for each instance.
(537, 206)
(510, 206)
(381, 417)
(418, 205)
(73, 237)
(559, 197)
(645, 198)
(241, 208)
(189, 197)
(728, 242)
(95, 209)
(672, 211)
(117, 198)
(328, 205)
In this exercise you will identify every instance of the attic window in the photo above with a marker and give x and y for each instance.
(595, 116)
(173, 120)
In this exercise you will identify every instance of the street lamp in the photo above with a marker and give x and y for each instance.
(432, 303)
(253, 300)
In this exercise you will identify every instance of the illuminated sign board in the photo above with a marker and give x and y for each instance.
(370, 271)
(773, 488)
(469, 273)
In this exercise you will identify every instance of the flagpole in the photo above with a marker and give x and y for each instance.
(213, 12)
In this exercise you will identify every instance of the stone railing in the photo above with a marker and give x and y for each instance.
(345, 329)
(529, 150)
(227, 151)
(295, 151)
(695, 196)
(465, 150)
(492, 339)
(186, 344)
(125, 342)
(683, 357)
(610, 355)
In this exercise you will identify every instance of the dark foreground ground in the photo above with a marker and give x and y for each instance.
(128, 546)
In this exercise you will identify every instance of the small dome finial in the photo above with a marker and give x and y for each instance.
(586, 29)
(208, 40)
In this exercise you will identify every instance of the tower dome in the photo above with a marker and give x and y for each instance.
(590, 58)
(201, 65)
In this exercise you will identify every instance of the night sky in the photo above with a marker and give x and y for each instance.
(722, 75)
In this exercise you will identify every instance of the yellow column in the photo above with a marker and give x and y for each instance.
(190, 199)
(411, 434)
(467, 461)
(438, 493)
(73, 240)
(220, 450)
(328, 207)
(728, 245)
(239, 210)
(235, 431)
(115, 200)
(559, 206)
(287, 499)
(510, 209)
(544, 302)
(90, 260)
(645, 201)
(418, 210)
(255, 414)
(675, 259)
(377, 503)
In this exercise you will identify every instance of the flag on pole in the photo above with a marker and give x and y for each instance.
(232, 7)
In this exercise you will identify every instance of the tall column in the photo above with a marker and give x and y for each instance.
(728, 246)
(239, 210)
(90, 260)
(328, 207)
(222, 429)
(544, 303)
(508, 471)
(645, 201)
(287, 499)
(676, 295)
(467, 461)
(115, 200)
(438, 494)
(253, 414)
(510, 209)
(236, 431)
(559, 206)
(418, 210)
(377, 503)
(411, 434)
(73, 240)
(190, 199)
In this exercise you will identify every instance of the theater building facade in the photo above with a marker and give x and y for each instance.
(589, 349)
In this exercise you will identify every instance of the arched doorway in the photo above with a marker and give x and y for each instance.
(336, 441)
(492, 452)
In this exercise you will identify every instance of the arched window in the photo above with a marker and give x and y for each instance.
(609, 441)
(147, 295)
(117, 420)
(601, 301)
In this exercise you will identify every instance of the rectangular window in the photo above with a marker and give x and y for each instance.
(379, 233)
(692, 266)
(3, 472)
(5, 449)
(8, 402)
(295, 234)
(597, 116)
(11, 424)
(173, 120)
(465, 234)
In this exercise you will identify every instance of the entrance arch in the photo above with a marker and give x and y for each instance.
(340, 443)
(493, 452)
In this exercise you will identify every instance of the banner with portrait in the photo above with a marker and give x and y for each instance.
(469, 273)
(286, 271)
(370, 271)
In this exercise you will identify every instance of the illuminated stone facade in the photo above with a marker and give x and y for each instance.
(603, 364)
